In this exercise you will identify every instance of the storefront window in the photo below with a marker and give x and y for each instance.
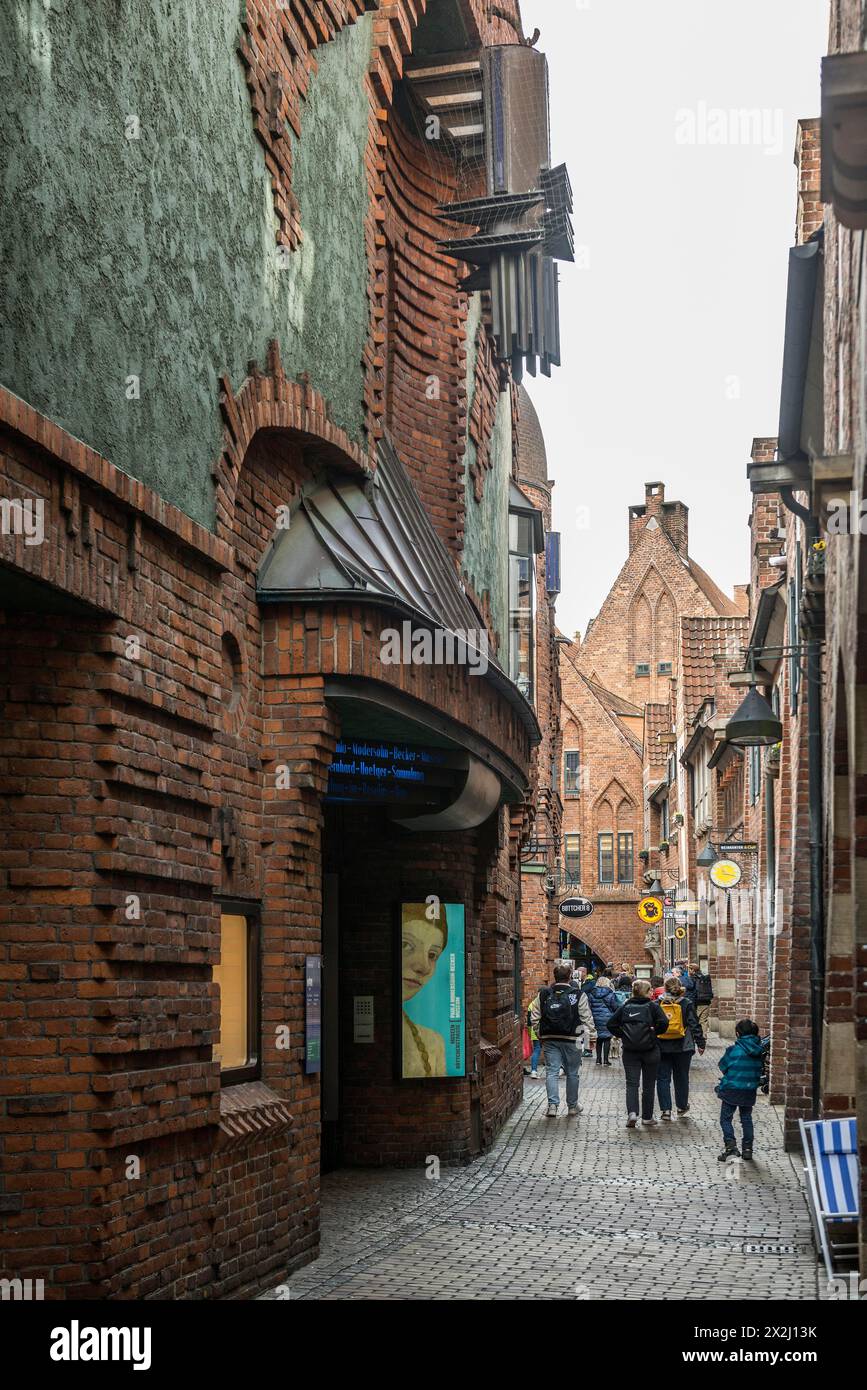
(238, 978)
(522, 599)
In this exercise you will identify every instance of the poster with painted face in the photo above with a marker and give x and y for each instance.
(432, 967)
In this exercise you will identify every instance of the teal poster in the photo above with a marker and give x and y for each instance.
(432, 970)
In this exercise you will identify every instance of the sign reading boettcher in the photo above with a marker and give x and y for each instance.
(576, 907)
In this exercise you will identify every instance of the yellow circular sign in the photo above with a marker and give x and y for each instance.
(650, 910)
(725, 873)
(680, 933)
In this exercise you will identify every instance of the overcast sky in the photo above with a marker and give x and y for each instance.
(672, 319)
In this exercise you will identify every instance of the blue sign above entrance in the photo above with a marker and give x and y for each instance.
(392, 772)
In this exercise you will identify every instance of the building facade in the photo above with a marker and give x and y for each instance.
(269, 680)
(626, 691)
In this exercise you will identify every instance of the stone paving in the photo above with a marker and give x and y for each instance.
(582, 1209)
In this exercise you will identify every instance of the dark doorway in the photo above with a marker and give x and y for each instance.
(576, 950)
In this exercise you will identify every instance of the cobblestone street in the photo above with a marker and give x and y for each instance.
(634, 1214)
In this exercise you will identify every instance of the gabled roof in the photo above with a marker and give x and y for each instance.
(726, 607)
(615, 704)
(657, 720)
(709, 648)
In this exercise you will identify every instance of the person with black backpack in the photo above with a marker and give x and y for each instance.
(638, 1023)
(559, 1013)
(700, 990)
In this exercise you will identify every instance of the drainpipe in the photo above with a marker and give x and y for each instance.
(814, 791)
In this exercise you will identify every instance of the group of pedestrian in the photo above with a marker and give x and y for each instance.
(660, 1026)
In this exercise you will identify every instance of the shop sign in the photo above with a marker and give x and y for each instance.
(576, 907)
(725, 873)
(394, 773)
(313, 1014)
(650, 910)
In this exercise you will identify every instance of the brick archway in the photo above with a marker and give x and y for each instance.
(609, 937)
(269, 400)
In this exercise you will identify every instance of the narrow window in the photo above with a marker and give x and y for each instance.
(606, 857)
(624, 857)
(522, 603)
(238, 978)
(572, 858)
(571, 772)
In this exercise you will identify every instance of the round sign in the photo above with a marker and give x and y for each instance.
(725, 873)
(680, 933)
(650, 909)
(576, 907)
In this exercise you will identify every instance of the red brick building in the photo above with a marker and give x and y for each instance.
(800, 968)
(218, 779)
(622, 688)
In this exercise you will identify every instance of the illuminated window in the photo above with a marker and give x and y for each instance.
(572, 857)
(238, 978)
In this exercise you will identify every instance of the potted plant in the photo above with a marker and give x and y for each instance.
(678, 818)
(644, 855)
(772, 760)
(663, 846)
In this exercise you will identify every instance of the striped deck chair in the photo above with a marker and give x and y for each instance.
(832, 1173)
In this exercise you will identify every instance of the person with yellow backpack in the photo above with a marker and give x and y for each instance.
(677, 1046)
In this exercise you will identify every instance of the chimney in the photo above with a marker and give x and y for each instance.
(671, 517)
(765, 524)
(808, 147)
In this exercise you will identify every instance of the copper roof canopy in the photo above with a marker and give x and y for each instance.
(371, 541)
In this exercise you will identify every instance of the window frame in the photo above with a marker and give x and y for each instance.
(522, 621)
(621, 836)
(567, 753)
(252, 913)
(700, 791)
(605, 835)
(573, 855)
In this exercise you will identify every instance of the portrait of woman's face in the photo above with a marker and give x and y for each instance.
(422, 945)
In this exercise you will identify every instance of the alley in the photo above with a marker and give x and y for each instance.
(576, 1211)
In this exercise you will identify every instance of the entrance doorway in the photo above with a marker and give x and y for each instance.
(574, 949)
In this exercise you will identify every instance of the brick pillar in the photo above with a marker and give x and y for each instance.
(808, 146)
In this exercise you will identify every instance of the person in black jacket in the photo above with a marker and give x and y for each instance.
(677, 1047)
(638, 1024)
(700, 991)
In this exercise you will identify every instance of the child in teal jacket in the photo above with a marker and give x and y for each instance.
(741, 1065)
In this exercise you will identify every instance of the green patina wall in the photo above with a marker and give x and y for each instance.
(157, 257)
(486, 534)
